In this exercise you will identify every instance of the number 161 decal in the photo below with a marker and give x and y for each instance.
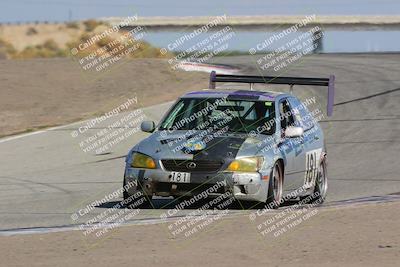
(312, 166)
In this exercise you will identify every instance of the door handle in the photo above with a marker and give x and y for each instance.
(316, 137)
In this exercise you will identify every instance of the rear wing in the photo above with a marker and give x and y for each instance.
(329, 82)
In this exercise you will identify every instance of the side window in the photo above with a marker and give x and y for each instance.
(302, 114)
(286, 115)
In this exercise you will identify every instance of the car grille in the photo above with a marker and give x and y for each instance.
(194, 188)
(188, 166)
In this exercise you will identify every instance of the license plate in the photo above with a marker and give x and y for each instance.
(180, 177)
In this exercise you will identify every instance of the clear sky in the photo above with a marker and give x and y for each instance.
(62, 10)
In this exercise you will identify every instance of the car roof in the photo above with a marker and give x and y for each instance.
(236, 94)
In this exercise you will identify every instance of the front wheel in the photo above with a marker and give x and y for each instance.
(275, 187)
(134, 201)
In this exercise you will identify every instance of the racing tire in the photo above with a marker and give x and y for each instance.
(124, 192)
(320, 188)
(321, 184)
(275, 187)
(129, 201)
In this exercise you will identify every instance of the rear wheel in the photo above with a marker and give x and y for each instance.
(321, 184)
(275, 188)
(320, 188)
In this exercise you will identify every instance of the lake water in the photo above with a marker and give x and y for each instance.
(332, 41)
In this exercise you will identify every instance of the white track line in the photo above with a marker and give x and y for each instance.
(15, 137)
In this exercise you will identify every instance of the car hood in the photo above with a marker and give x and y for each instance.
(195, 145)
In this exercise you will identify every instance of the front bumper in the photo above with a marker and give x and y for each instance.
(243, 186)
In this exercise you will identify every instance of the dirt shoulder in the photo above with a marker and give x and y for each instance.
(347, 236)
(40, 93)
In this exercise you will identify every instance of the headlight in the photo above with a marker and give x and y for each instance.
(140, 160)
(250, 164)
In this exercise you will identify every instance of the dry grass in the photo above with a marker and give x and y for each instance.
(56, 40)
(48, 49)
(7, 50)
(72, 25)
(91, 25)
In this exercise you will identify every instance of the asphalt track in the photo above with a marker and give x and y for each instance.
(45, 177)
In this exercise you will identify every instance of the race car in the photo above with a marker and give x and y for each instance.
(258, 145)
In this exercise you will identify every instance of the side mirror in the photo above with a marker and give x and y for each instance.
(292, 132)
(148, 126)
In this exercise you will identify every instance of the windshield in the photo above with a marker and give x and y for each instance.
(242, 116)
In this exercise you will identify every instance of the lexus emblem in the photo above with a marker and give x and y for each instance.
(191, 165)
